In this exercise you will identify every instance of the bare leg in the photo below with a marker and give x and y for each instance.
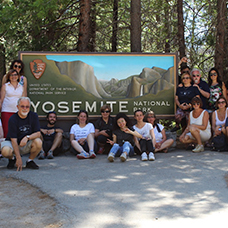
(196, 134)
(7, 152)
(165, 145)
(77, 146)
(35, 148)
(57, 141)
(90, 141)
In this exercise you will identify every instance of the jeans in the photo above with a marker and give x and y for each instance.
(126, 147)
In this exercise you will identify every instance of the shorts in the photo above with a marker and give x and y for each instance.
(23, 150)
(204, 135)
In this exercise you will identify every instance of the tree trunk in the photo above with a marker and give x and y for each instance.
(167, 27)
(225, 76)
(2, 62)
(220, 36)
(135, 26)
(85, 27)
(180, 34)
(115, 26)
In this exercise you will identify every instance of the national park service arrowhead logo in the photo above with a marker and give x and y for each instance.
(37, 68)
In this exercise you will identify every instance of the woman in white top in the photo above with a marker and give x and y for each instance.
(199, 128)
(148, 141)
(162, 143)
(10, 93)
(82, 136)
(18, 65)
(219, 117)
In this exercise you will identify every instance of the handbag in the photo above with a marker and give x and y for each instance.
(219, 143)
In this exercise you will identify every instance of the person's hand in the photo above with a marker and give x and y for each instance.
(103, 132)
(184, 60)
(81, 141)
(157, 145)
(23, 141)
(19, 164)
(50, 132)
(44, 131)
(127, 130)
(110, 142)
(196, 86)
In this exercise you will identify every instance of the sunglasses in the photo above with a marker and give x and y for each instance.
(150, 117)
(221, 102)
(185, 78)
(17, 66)
(105, 111)
(24, 106)
(185, 71)
(196, 103)
(14, 75)
(213, 74)
(195, 75)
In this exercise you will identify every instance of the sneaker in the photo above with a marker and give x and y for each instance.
(151, 156)
(111, 157)
(11, 163)
(83, 155)
(50, 154)
(31, 165)
(199, 148)
(92, 154)
(144, 156)
(123, 157)
(101, 150)
(41, 155)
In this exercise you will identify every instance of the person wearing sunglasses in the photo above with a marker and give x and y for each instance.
(202, 86)
(11, 91)
(103, 129)
(184, 95)
(23, 136)
(199, 128)
(18, 65)
(219, 117)
(217, 88)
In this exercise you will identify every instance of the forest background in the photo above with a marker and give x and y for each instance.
(197, 29)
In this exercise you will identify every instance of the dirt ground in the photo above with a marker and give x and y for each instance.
(22, 205)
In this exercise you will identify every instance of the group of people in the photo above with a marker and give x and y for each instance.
(200, 105)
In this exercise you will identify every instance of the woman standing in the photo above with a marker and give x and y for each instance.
(18, 65)
(217, 88)
(184, 95)
(162, 143)
(103, 128)
(124, 138)
(82, 136)
(147, 142)
(10, 93)
(199, 128)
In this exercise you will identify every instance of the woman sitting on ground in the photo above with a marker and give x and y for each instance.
(147, 143)
(162, 143)
(219, 117)
(199, 128)
(124, 138)
(82, 136)
(103, 128)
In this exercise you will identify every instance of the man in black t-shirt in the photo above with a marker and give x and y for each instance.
(52, 137)
(23, 136)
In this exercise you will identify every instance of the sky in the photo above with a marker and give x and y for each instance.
(120, 66)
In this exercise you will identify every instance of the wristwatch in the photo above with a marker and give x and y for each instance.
(28, 137)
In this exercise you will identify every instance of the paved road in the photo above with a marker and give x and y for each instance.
(180, 188)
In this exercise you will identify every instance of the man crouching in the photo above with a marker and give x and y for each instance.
(23, 136)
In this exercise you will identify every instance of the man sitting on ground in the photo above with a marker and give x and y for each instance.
(23, 136)
(52, 138)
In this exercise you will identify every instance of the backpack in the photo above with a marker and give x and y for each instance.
(219, 143)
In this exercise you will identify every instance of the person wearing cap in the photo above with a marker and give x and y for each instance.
(51, 137)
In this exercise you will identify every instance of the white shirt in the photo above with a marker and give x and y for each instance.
(158, 135)
(82, 132)
(145, 130)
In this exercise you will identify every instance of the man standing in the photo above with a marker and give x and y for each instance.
(52, 138)
(201, 85)
(23, 136)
